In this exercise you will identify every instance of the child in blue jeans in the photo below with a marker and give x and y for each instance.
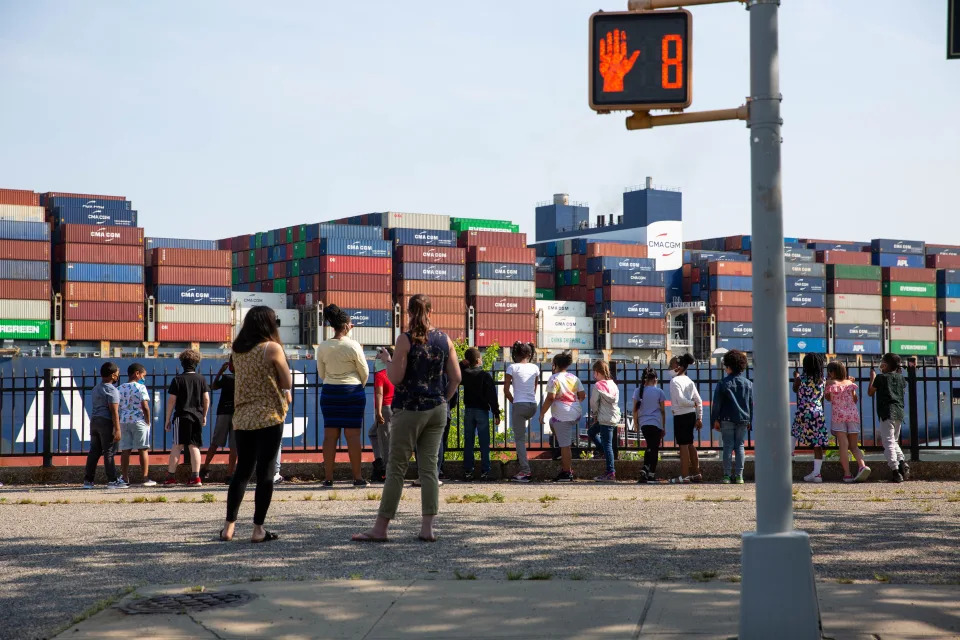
(732, 413)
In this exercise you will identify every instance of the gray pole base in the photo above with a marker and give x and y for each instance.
(778, 594)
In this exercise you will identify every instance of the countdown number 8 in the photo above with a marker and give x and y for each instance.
(669, 61)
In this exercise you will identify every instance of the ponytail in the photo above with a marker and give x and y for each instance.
(418, 324)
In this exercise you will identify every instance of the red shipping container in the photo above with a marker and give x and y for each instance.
(355, 299)
(440, 320)
(24, 289)
(279, 270)
(193, 332)
(855, 287)
(484, 338)
(190, 258)
(909, 274)
(952, 334)
(205, 277)
(430, 288)
(110, 311)
(615, 250)
(636, 325)
(695, 274)
(733, 243)
(261, 255)
(95, 196)
(355, 264)
(488, 304)
(441, 304)
(95, 234)
(911, 318)
(630, 293)
(354, 282)
(100, 291)
(506, 322)
(806, 314)
(98, 253)
(512, 255)
(432, 255)
(843, 257)
(907, 303)
(943, 262)
(546, 280)
(492, 239)
(20, 197)
(732, 298)
(737, 314)
(730, 268)
(24, 250)
(98, 330)
(575, 292)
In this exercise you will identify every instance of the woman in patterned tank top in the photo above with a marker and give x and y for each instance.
(426, 373)
(260, 406)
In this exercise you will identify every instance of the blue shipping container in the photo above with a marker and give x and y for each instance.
(806, 269)
(942, 251)
(948, 276)
(948, 290)
(596, 265)
(731, 283)
(429, 237)
(103, 217)
(795, 299)
(369, 317)
(899, 260)
(24, 270)
(857, 331)
(806, 345)
(806, 330)
(913, 247)
(179, 243)
(366, 248)
(856, 247)
(634, 309)
(181, 294)
(809, 285)
(950, 319)
(637, 341)
(636, 278)
(734, 329)
(869, 347)
(952, 348)
(696, 255)
(14, 230)
(545, 264)
(499, 271)
(89, 203)
(94, 272)
(427, 271)
(797, 254)
(740, 344)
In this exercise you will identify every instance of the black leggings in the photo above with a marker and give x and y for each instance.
(257, 447)
(653, 436)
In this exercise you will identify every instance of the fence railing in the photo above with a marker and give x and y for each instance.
(47, 413)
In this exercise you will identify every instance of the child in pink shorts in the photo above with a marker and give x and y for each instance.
(841, 392)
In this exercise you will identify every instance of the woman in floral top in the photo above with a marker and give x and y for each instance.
(809, 424)
(841, 392)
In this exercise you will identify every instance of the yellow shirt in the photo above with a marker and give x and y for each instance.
(342, 362)
(258, 401)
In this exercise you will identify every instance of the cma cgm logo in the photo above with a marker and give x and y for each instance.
(426, 236)
(356, 246)
(506, 272)
(639, 309)
(99, 217)
(740, 329)
(359, 318)
(505, 304)
(629, 263)
(103, 233)
(803, 300)
(857, 331)
(193, 293)
(668, 247)
(436, 255)
(92, 204)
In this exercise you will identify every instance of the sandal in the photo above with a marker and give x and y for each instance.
(267, 537)
(365, 537)
(426, 539)
(222, 539)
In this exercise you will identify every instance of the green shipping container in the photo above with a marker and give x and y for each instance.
(24, 329)
(910, 289)
(235, 276)
(279, 285)
(295, 267)
(251, 274)
(299, 250)
(913, 348)
(853, 272)
(289, 235)
(545, 294)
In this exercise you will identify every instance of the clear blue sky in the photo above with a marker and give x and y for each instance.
(220, 118)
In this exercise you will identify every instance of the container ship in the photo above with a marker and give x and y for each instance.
(80, 278)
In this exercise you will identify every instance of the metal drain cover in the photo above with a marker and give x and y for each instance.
(187, 602)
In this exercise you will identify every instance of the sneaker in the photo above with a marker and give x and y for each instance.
(277, 479)
(679, 480)
(608, 478)
(328, 483)
(738, 480)
(727, 480)
(696, 478)
(904, 469)
(441, 475)
(813, 477)
(564, 476)
(149, 483)
(123, 480)
(469, 475)
(195, 482)
(484, 477)
(204, 473)
(556, 456)
(862, 474)
(88, 485)
(170, 480)
(117, 484)
(361, 483)
(521, 477)
(642, 477)
(896, 477)
(849, 479)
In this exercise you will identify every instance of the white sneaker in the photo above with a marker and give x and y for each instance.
(277, 479)
(117, 484)
(813, 477)
(88, 485)
(149, 483)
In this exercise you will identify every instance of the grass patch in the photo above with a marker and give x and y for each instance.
(576, 576)
(185, 499)
(878, 499)
(99, 606)
(25, 501)
(730, 499)
(333, 495)
(373, 496)
(197, 589)
(899, 491)
(690, 497)
(844, 581)
(159, 499)
(803, 506)
(208, 497)
(703, 576)
(928, 508)
(3, 499)
(356, 576)
(881, 577)
(540, 575)
(498, 497)
(139, 500)
(547, 498)
(464, 576)
(734, 579)
(956, 499)
(307, 498)
(514, 575)
(469, 498)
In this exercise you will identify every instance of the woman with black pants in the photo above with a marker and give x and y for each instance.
(260, 406)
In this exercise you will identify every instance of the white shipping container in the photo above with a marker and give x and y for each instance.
(22, 213)
(25, 309)
(948, 305)
(434, 221)
(193, 313)
(285, 317)
(856, 316)
(506, 288)
(290, 335)
(253, 298)
(562, 307)
(366, 336)
(899, 332)
(854, 301)
(567, 324)
(565, 340)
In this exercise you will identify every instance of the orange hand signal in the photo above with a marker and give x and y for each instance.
(614, 64)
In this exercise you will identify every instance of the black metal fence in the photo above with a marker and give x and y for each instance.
(47, 413)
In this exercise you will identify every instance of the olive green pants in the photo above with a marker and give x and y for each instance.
(410, 430)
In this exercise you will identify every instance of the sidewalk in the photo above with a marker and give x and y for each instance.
(585, 610)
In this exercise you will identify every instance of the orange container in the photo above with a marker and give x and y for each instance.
(355, 299)
(727, 268)
(806, 314)
(191, 276)
(909, 274)
(735, 314)
(190, 258)
(731, 298)
(616, 250)
(102, 291)
(430, 288)
(440, 304)
(899, 303)
(24, 250)
(629, 293)
(102, 330)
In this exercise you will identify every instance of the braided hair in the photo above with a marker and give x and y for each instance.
(813, 364)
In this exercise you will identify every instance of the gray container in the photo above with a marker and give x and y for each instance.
(854, 301)
(506, 288)
(25, 309)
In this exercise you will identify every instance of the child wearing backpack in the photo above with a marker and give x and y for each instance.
(605, 409)
(565, 392)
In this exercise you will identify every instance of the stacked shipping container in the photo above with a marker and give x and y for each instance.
(628, 297)
(564, 325)
(855, 306)
(910, 308)
(501, 286)
(24, 267)
(948, 308)
(191, 291)
(429, 261)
